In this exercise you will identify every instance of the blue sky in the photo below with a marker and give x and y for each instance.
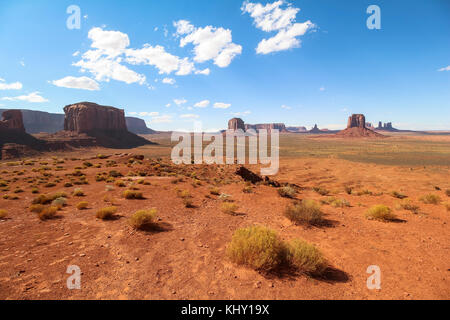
(297, 62)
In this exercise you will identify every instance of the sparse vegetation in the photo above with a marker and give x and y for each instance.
(132, 194)
(306, 211)
(47, 213)
(106, 213)
(119, 183)
(398, 195)
(407, 204)
(256, 247)
(3, 213)
(229, 207)
(143, 218)
(447, 192)
(83, 205)
(381, 213)
(431, 199)
(305, 257)
(287, 192)
(321, 191)
(214, 191)
(78, 192)
(59, 202)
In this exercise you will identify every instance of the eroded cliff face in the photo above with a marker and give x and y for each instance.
(138, 126)
(236, 123)
(88, 117)
(12, 121)
(267, 126)
(356, 121)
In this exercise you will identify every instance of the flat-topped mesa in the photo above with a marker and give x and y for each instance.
(87, 117)
(236, 124)
(12, 121)
(267, 126)
(356, 121)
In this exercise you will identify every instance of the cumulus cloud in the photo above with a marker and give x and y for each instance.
(202, 104)
(168, 81)
(210, 43)
(179, 102)
(205, 72)
(221, 105)
(240, 114)
(33, 97)
(148, 114)
(278, 16)
(83, 83)
(285, 107)
(189, 116)
(161, 119)
(445, 69)
(10, 86)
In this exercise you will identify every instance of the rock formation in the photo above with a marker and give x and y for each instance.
(106, 124)
(356, 128)
(87, 117)
(356, 121)
(12, 122)
(138, 126)
(386, 127)
(39, 121)
(235, 124)
(315, 129)
(296, 129)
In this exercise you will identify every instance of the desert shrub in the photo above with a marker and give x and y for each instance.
(430, 199)
(247, 189)
(447, 192)
(106, 213)
(407, 204)
(3, 213)
(321, 191)
(87, 164)
(398, 195)
(184, 194)
(36, 208)
(348, 189)
(59, 202)
(109, 188)
(339, 203)
(119, 183)
(3, 183)
(143, 218)
(229, 207)
(47, 213)
(214, 191)
(42, 199)
(49, 185)
(78, 192)
(131, 194)
(18, 190)
(306, 211)
(188, 203)
(447, 206)
(305, 257)
(35, 190)
(68, 185)
(363, 192)
(287, 192)
(256, 247)
(380, 212)
(115, 174)
(82, 205)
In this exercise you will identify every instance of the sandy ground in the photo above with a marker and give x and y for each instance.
(185, 258)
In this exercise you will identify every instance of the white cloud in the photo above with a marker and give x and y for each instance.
(221, 105)
(179, 102)
(22, 63)
(322, 88)
(189, 116)
(84, 83)
(161, 119)
(10, 86)
(168, 105)
(111, 42)
(168, 81)
(210, 43)
(205, 72)
(148, 114)
(33, 97)
(202, 104)
(285, 107)
(133, 113)
(272, 17)
(445, 69)
(76, 54)
(239, 114)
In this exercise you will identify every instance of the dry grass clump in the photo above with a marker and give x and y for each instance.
(447, 206)
(256, 247)
(398, 195)
(247, 189)
(261, 249)
(3, 213)
(143, 218)
(47, 213)
(132, 195)
(82, 205)
(106, 213)
(321, 191)
(430, 199)
(48, 198)
(305, 257)
(34, 190)
(380, 212)
(334, 202)
(447, 192)
(287, 192)
(407, 204)
(307, 211)
(229, 207)
(78, 192)
(119, 183)
(59, 202)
